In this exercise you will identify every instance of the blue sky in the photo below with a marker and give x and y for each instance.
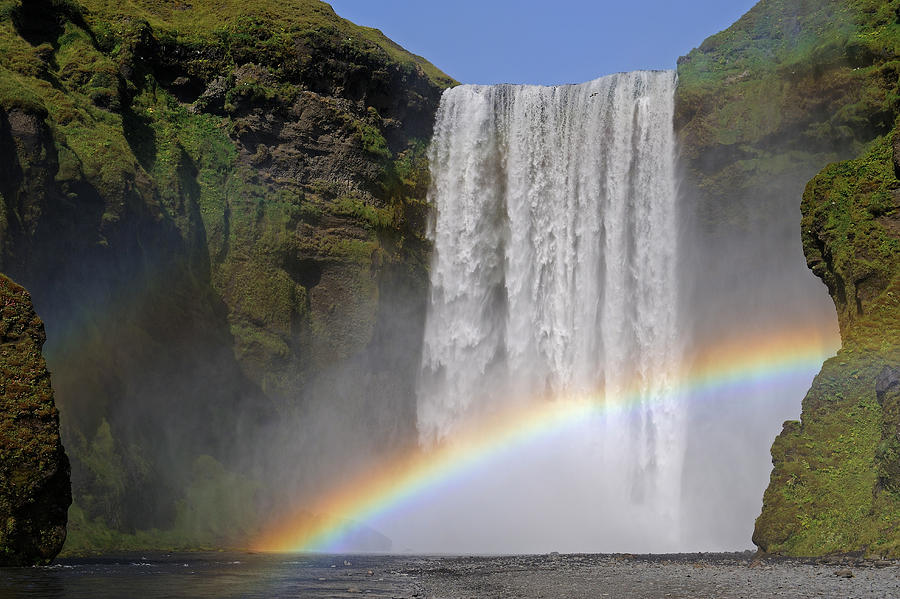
(547, 42)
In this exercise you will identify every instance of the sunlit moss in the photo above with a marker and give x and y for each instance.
(828, 493)
(816, 80)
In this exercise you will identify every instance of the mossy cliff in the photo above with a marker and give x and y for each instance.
(216, 206)
(34, 471)
(792, 85)
(836, 483)
(761, 108)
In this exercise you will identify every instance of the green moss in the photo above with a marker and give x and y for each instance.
(13, 95)
(34, 470)
(849, 241)
(826, 494)
(373, 141)
(359, 210)
(816, 80)
(258, 32)
(823, 495)
(160, 182)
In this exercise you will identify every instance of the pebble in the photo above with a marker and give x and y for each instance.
(845, 573)
(706, 576)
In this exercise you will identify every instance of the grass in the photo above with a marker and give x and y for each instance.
(258, 30)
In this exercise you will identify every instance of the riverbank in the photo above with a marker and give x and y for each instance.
(697, 576)
(623, 576)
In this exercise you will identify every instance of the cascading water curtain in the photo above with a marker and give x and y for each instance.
(554, 271)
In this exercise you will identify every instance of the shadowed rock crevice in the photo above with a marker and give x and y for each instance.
(305, 271)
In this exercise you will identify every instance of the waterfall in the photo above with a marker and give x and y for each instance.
(554, 270)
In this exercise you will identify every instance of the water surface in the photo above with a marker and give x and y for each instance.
(212, 575)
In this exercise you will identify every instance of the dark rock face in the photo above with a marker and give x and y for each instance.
(887, 384)
(34, 471)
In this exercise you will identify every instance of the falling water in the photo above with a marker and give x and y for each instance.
(554, 273)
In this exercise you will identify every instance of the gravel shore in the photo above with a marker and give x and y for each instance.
(697, 576)
(222, 575)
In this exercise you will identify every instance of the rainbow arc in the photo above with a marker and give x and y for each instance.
(319, 525)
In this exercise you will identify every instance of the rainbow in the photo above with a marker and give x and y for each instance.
(402, 477)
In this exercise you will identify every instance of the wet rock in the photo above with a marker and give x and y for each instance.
(888, 381)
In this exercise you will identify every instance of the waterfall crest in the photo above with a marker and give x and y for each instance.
(554, 272)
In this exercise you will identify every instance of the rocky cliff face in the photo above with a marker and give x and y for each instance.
(216, 207)
(761, 108)
(835, 486)
(34, 472)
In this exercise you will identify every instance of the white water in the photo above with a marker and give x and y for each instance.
(555, 275)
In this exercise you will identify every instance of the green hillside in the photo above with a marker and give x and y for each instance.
(216, 206)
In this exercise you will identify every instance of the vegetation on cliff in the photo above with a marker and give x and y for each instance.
(836, 483)
(789, 87)
(219, 210)
(34, 471)
(760, 109)
(211, 203)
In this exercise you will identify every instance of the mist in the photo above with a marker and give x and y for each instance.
(746, 280)
(170, 431)
(740, 280)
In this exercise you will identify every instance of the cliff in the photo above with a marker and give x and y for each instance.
(790, 86)
(761, 108)
(219, 209)
(836, 483)
(216, 207)
(34, 472)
